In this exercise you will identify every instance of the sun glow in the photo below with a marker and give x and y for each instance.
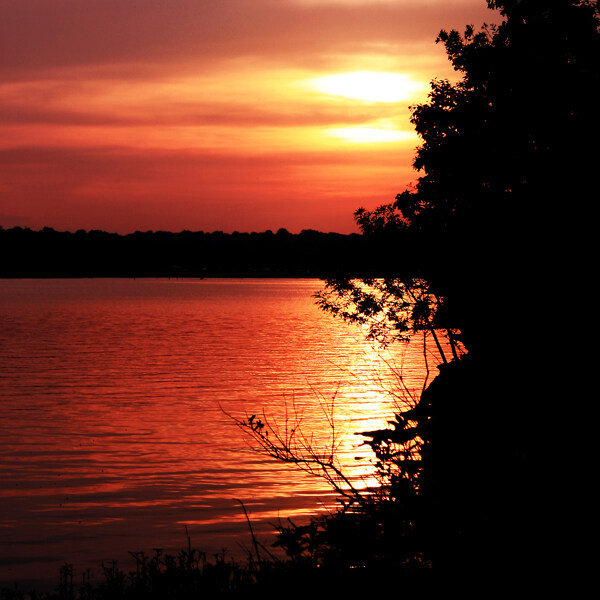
(369, 86)
(370, 135)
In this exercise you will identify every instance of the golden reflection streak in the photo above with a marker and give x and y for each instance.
(329, 426)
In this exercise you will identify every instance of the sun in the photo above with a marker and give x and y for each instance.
(369, 86)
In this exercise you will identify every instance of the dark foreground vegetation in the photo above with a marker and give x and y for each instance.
(50, 253)
(189, 575)
(483, 475)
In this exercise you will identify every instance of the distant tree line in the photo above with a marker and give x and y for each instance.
(94, 253)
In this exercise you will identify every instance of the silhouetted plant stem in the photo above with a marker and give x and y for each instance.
(253, 537)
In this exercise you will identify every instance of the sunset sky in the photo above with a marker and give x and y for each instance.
(228, 115)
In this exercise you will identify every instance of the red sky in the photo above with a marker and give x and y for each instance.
(243, 115)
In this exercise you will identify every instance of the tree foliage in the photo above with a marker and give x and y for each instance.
(507, 160)
(390, 309)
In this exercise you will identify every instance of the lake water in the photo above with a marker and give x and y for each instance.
(114, 435)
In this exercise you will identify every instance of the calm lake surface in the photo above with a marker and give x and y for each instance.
(113, 435)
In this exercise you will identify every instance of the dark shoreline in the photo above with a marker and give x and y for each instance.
(49, 254)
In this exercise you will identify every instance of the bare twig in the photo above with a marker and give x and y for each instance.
(288, 443)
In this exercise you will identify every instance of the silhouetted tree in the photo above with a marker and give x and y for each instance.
(508, 156)
(507, 179)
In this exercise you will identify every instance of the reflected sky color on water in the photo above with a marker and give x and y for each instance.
(113, 436)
